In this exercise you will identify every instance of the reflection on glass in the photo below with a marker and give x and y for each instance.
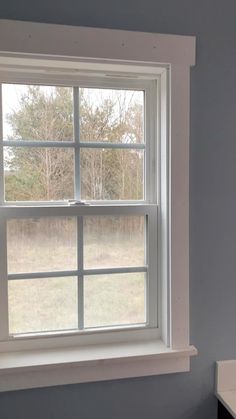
(115, 241)
(38, 174)
(112, 300)
(112, 115)
(46, 304)
(41, 244)
(111, 174)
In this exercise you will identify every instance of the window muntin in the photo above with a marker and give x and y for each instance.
(146, 312)
(42, 248)
(129, 295)
(76, 142)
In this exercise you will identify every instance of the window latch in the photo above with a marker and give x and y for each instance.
(76, 202)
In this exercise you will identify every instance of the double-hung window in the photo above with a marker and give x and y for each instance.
(79, 214)
(94, 140)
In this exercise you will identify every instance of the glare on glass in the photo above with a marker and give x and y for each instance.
(40, 305)
(113, 300)
(111, 115)
(38, 174)
(114, 241)
(37, 113)
(41, 244)
(112, 174)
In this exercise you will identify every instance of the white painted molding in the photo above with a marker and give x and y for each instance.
(29, 369)
(169, 56)
(179, 205)
(71, 41)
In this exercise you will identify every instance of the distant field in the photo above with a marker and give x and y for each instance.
(52, 303)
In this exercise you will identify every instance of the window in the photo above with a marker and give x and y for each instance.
(94, 203)
(82, 152)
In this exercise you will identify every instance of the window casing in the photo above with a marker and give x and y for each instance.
(79, 211)
(26, 53)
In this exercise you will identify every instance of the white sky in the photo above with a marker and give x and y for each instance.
(11, 94)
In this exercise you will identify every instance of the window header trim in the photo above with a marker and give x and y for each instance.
(95, 43)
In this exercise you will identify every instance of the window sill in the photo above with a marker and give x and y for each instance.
(51, 367)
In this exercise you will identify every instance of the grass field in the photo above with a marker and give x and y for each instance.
(51, 303)
(45, 304)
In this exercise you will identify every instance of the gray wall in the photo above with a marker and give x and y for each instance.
(212, 218)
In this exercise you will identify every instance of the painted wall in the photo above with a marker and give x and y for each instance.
(212, 218)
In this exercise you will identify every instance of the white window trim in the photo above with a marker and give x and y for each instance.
(146, 208)
(89, 50)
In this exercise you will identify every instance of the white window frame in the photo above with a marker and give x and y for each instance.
(147, 207)
(16, 75)
(168, 58)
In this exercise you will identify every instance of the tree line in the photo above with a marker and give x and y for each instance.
(35, 174)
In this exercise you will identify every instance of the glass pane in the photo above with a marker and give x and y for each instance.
(37, 305)
(111, 115)
(41, 244)
(38, 174)
(37, 113)
(111, 242)
(111, 174)
(112, 300)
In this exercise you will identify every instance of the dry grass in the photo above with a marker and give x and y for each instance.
(51, 303)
